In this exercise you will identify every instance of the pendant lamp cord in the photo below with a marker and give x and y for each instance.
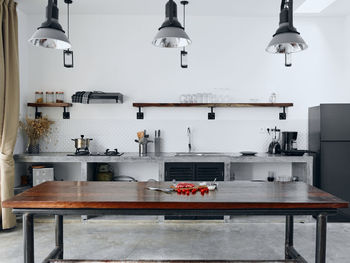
(68, 20)
(184, 15)
(184, 21)
(290, 6)
(171, 18)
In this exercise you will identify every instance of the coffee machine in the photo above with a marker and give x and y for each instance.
(289, 140)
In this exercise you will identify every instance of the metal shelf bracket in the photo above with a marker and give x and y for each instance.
(66, 114)
(211, 114)
(283, 115)
(140, 115)
(37, 113)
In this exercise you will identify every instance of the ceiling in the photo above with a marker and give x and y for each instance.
(245, 8)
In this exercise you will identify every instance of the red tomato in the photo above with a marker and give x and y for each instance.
(184, 185)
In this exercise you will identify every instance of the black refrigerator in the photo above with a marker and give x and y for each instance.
(329, 137)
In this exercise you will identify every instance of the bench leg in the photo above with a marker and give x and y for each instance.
(57, 252)
(28, 238)
(321, 236)
(59, 234)
(289, 236)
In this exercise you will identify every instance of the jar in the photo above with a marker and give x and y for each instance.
(50, 97)
(39, 97)
(59, 96)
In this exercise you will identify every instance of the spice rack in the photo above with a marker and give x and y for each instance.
(211, 114)
(64, 105)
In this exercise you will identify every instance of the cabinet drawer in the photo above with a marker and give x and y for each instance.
(179, 171)
(209, 171)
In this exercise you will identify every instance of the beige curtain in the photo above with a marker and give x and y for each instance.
(9, 103)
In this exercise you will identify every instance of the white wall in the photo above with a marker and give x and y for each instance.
(227, 57)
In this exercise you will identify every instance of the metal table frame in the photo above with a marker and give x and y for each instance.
(290, 252)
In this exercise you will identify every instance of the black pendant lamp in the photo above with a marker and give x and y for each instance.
(184, 53)
(68, 61)
(287, 39)
(50, 34)
(171, 34)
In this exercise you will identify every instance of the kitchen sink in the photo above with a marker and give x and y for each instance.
(199, 154)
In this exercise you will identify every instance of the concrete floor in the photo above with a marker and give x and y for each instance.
(149, 240)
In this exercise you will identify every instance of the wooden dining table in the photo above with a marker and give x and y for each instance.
(133, 198)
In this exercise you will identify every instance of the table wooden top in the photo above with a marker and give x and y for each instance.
(125, 195)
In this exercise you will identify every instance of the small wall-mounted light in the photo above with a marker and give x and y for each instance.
(68, 60)
(184, 59)
(184, 53)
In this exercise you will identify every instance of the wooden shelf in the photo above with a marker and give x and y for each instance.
(63, 104)
(211, 114)
(214, 105)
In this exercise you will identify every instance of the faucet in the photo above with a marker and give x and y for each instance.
(189, 139)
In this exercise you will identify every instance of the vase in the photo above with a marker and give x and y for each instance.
(33, 148)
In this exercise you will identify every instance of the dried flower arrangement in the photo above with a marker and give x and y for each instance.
(36, 129)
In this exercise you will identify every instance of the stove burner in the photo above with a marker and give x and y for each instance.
(86, 152)
(112, 153)
(82, 151)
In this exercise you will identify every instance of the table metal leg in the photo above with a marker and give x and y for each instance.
(59, 234)
(289, 235)
(321, 236)
(28, 238)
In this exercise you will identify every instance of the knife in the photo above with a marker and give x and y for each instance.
(164, 190)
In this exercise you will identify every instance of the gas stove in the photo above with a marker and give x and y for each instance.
(86, 152)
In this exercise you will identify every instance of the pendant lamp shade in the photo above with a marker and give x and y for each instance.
(171, 34)
(287, 39)
(50, 34)
(289, 42)
(171, 37)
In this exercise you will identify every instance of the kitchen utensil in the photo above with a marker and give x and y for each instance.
(248, 153)
(296, 152)
(274, 147)
(143, 142)
(157, 143)
(271, 176)
(140, 135)
(124, 178)
(164, 190)
(213, 185)
(104, 172)
(82, 143)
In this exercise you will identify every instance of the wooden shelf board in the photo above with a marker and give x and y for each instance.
(63, 104)
(216, 105)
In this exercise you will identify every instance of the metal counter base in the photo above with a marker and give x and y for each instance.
(291, 255)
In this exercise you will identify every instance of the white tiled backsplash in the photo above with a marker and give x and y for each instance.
(214, 136)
